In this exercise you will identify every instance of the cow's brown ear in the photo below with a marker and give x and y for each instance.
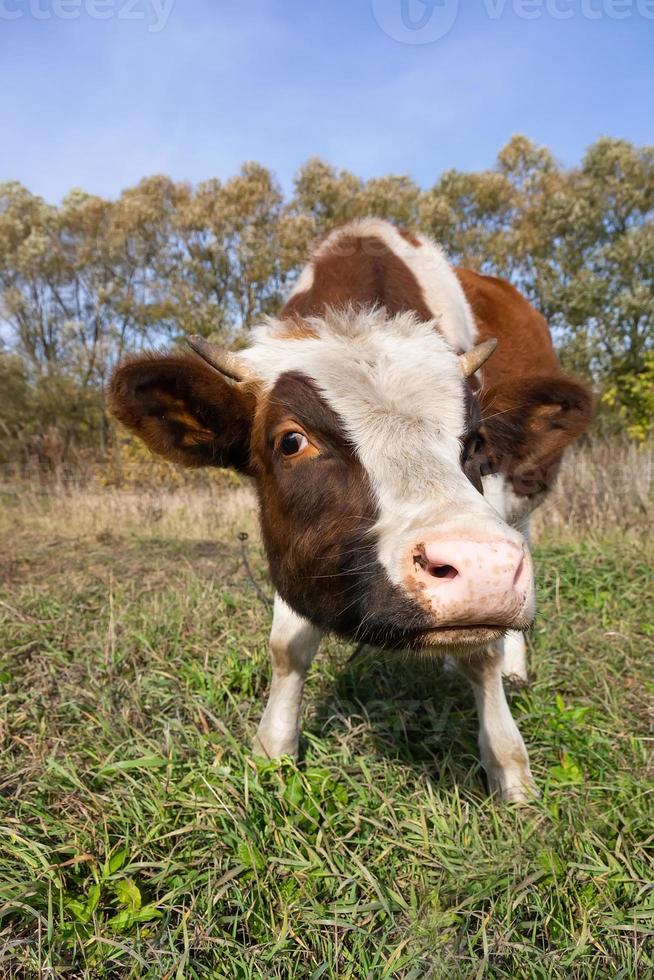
(184, 410)
(528, 423)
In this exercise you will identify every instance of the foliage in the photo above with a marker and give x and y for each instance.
(632, 394)
(140, 839)
(49, 421)
(128, 463)
(82, 283)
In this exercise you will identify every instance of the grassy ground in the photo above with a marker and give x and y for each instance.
(140, 839)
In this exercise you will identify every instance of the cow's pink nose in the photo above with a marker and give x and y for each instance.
(474, 583)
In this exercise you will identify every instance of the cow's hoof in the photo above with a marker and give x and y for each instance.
(523, 791)
(520, 794)
(269, 747)
(516, 682)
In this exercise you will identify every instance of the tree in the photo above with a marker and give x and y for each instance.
(85, 282)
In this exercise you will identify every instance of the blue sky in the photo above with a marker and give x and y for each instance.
(193, 88)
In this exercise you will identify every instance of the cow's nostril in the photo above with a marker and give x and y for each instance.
(432, 568)
(443, 571)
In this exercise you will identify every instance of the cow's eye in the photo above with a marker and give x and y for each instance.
(292, 443)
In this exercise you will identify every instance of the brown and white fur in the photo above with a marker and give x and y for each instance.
(367, 447)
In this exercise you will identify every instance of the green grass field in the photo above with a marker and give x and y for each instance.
(140, 839)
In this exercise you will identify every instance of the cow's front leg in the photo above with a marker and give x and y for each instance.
(293, 645)
(503, 753)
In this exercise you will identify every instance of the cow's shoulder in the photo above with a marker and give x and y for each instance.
(372, 263)
(524, 345)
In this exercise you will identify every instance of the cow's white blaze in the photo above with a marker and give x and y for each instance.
(395, 385)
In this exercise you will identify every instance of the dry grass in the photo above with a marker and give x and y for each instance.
(72, 512)
(604, 486)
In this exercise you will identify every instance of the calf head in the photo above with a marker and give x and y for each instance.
(352, 426)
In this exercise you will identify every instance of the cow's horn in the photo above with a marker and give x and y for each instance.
(222, 360)
(471, 360)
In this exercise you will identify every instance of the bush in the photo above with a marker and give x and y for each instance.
(49, 424)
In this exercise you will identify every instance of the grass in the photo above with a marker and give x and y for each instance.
(140, 839)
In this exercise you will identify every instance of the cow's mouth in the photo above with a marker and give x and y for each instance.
(451, 637)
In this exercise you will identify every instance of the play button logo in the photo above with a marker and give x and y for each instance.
(415, 21)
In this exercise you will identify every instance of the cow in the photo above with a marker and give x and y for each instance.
(400, 419)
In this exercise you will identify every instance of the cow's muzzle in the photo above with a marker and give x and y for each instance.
(465, 582)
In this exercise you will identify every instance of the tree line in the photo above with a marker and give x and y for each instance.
(85, 282)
